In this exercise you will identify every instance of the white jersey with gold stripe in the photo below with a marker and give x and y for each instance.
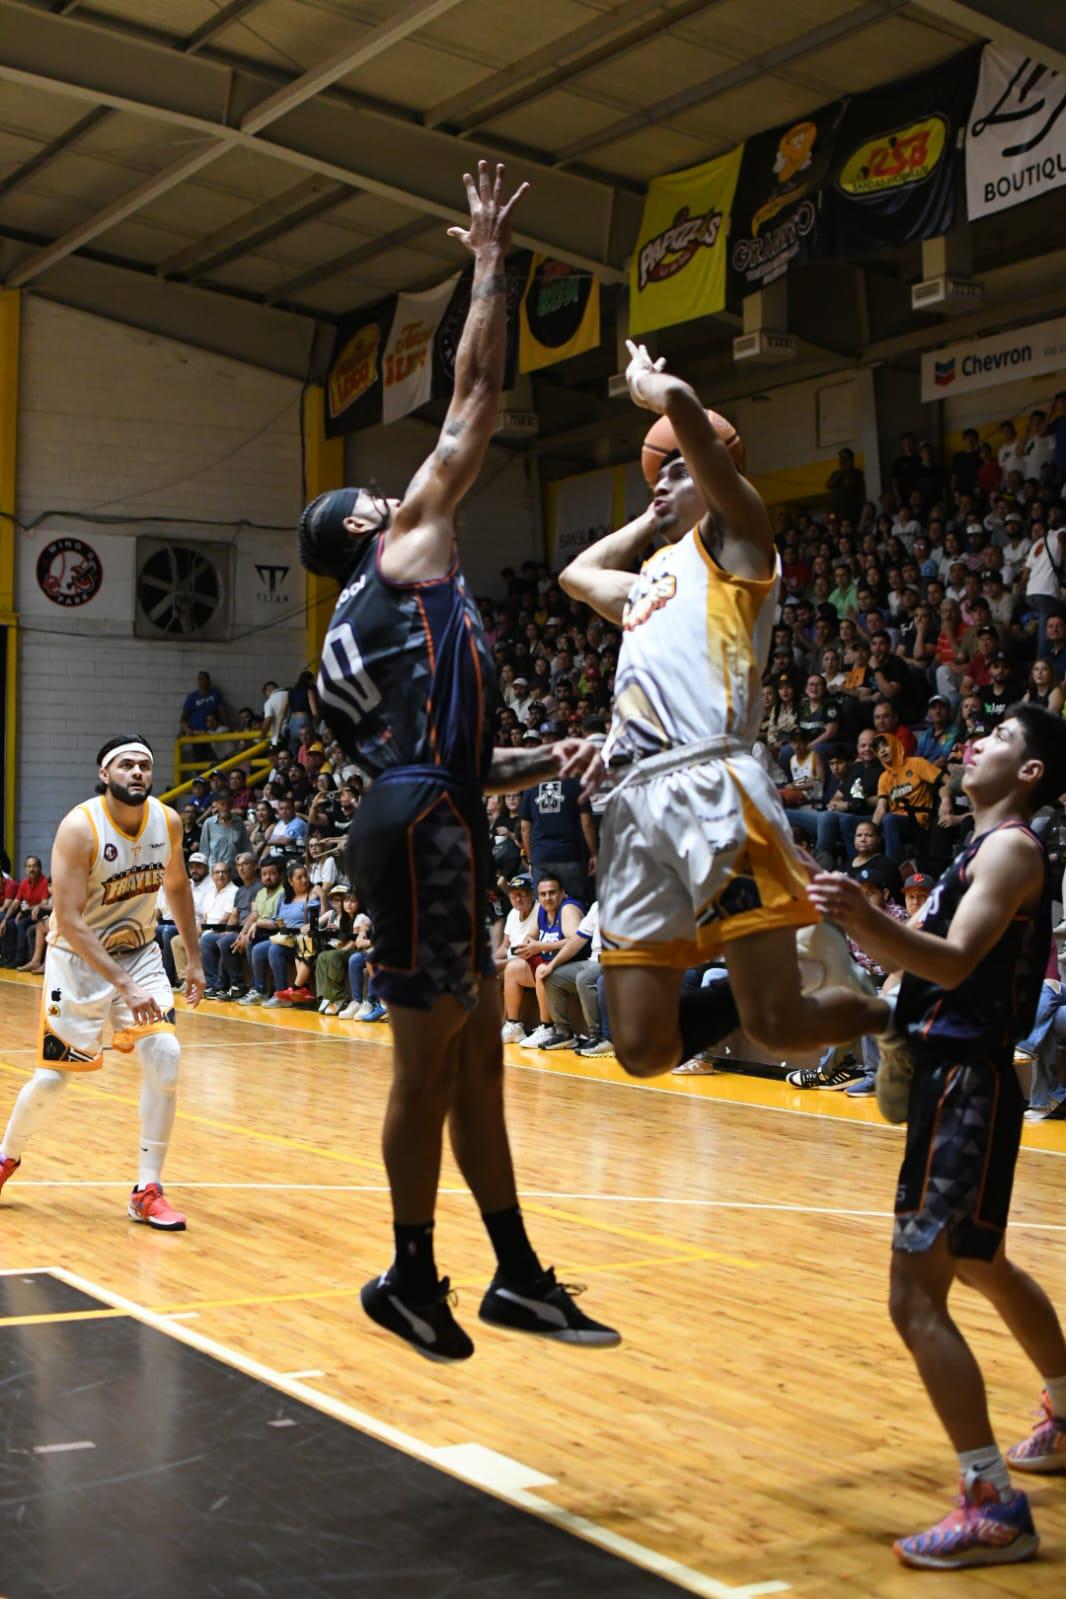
(695, 642)
(125, 876)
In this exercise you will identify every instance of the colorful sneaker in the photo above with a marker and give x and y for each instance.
(864, 1085)
(376, 1013)
(836, 1078)
(8, 1168)
(1045, 1448)
(545, 1307)
(429, 1327)
(513, 1032)
(150, 1204)
(984, 1530)
(299, 996)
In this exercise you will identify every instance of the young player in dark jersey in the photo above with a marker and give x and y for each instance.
(408, 685)
(972, 977)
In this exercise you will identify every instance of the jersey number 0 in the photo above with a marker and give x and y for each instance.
(343, 680)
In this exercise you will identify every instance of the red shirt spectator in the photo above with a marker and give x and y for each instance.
(33, 890)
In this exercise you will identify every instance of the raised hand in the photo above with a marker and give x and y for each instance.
(490, 215)
(641, 366)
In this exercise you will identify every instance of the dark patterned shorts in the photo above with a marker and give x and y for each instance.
(964, 1129)
(418, 857)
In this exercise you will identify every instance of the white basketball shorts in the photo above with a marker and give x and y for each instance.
(76, 1002)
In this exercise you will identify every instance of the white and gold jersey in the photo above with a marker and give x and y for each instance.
(125, 876)
(695, 642)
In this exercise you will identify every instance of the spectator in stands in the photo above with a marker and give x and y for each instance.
(323, 869)
(244, 895)
(1037, 449)
(1055, 649)
(1002, 690)
(906, 469)
(303, 709)
(214, 914)
(331, 966)
(819, 714)
(558, 835)
(1043, 576)
(21, 911)
(572, 974)
(275, 711)
(199, 797)
(1043, 688)
(223, 836)
(869, 847)
(261, 825)
(906, 791)
(847, 486)
(260, 923)
(240, 795)
(940, 736)
(289, 832)
(274, 959)
(557, 919)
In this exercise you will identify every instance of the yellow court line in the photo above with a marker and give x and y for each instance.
(60, 1315)
(629, 1232)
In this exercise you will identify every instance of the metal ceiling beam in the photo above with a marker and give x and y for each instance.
(237, 236)
(234, 12)
(1031, 26)
(565, 215)
(606, 36)
(50, 152)
(333, 196)
(734, 77)
(352, 258)
(407, 19)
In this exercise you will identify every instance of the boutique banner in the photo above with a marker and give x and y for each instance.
(679, 264)
(981, 363)
(559, 315)
(776, 209)
(893, 178)
(1016, 140)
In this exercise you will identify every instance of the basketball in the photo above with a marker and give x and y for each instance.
(661, 441)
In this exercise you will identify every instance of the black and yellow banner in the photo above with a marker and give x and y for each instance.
(559, 315)
(679, 263)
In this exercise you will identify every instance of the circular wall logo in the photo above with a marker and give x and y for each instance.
(69, 572)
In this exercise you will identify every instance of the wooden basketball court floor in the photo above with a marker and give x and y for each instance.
(760, 1429)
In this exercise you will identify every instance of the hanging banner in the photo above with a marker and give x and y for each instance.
(679, 264)
(354, 386)
(450, 328)
(583, 512)
(893, 179)
(559, 315)
(981, 363)
(1016, 140)
(776, 211)
(407, 367)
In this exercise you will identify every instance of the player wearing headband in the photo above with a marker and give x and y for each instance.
(110, 858)
(407, 681)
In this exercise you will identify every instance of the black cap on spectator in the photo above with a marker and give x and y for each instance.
(520, 880)
(920, 880)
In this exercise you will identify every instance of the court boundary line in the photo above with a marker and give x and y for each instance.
(440, 1458)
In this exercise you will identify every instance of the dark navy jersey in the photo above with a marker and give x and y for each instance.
(996, 1005)
(407, 678)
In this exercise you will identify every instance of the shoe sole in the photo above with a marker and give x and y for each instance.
(1023, 1548)
(558, 1335)
(836, 1088)
(566, 1044)
(1042, 1466)
(157, 1226)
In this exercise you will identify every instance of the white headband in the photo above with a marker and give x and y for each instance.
(135, 747)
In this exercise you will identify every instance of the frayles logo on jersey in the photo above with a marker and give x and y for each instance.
(671, 251)
(136, 880)
(648, 595)
(69, 572)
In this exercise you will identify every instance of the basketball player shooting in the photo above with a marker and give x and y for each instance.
(408, 682)
(111, 857)
(696, 855)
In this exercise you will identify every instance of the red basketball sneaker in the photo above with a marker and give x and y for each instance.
(8, 1168)
(151, 1205)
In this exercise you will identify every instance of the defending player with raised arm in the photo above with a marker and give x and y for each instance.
(696, 855)
(111, 857)
(408, 683)
(972, 977)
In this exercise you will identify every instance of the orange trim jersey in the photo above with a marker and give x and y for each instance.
(694, 642)
(125, 877)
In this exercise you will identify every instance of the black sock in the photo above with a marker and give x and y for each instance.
(515, 1255)
(706, 1015)
(414, 1268)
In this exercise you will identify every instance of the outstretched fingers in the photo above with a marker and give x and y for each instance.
(523, 189)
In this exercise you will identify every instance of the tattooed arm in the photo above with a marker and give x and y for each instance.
(420, 541)
(512, 769)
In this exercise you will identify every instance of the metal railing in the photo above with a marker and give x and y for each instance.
(256, 744)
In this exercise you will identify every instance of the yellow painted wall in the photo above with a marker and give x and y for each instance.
(323, 470)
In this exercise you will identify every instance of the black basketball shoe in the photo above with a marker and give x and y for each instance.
(545, 1307)
(428, 1325)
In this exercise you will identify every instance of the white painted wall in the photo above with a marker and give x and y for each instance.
(500, 520)
(782, 428)
(125, 423)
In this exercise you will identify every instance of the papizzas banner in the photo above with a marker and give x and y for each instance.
(776, 208)
(559, 315)
(393, 358)
(894, 176)
(678, 270)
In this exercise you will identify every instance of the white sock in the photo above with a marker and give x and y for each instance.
(889, 1029)
(989, 1464)
(159, 1055)
(32, 1105)
(1056, 1392)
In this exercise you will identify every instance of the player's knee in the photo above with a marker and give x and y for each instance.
(643, 1053)
(160, 1055)
(50, 1083)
